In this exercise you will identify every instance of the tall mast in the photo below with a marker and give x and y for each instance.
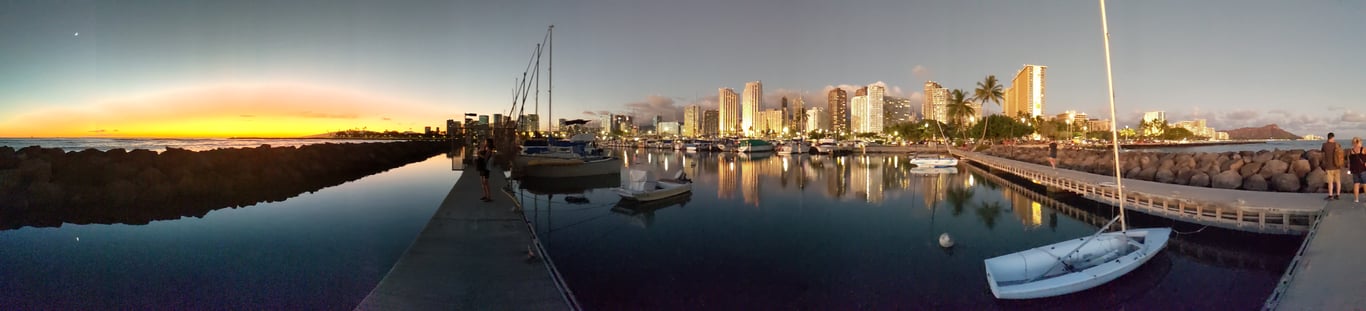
(1114, 133)
(550, 83)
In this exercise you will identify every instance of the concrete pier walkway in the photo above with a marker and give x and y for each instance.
(1251, 211)
(1328, 273)
(471, 255)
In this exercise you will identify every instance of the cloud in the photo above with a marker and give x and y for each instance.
(97, 131)
(652, 106)
(1241, 115)
(920, 73)
(322, 115)
(247, 116)
(1355, 117)
(386, 119)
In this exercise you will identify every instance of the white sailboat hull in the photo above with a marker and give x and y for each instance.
(935, 162)
(1035, 273)
(552, 167)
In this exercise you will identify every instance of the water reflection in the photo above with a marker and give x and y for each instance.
(864, 233)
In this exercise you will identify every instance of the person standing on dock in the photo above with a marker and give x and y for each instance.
(481, 163)
(1357, 165)
(1332, 165)
(1053, 154)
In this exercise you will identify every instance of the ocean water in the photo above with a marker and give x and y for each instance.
(322, 250)
(859, 232)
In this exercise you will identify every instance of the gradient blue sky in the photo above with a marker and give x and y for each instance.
(1235, 63)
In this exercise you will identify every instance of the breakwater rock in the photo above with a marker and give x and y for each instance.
(1266, 170)
(45, 187)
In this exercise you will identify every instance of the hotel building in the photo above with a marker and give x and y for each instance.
(1025, 96)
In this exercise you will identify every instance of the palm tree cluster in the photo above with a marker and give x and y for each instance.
(960, 108)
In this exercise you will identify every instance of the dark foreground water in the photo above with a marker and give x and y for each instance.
(859, 232)
(322, 250)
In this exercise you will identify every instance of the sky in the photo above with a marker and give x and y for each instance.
(292, 68)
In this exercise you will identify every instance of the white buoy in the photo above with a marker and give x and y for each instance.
(945, 241)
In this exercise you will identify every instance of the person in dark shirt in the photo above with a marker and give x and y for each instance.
(1053, 154)
(1357, 166)
(481, 163)
(1332, 166)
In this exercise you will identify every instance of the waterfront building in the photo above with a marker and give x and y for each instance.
(817, 119)
(796, 116)
(838, 102)
(483, 119)
(452, 127)
(768, 122)
(1221, 135)
(934, 106)
(865, 110)
(750, 105)
(692, 120)
(1098, 124)
(1025, 96)
(896, 110)
(668, 128)
(729, 112)
(710, 123)
(529, 123)
(1197, 127)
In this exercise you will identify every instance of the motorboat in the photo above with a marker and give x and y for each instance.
(643, 186)
(794, 146)
(1073, 265)
(934, 161)
(754, 145)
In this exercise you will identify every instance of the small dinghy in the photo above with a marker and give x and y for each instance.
(1073, 265)
(934, 161)
(643, 186)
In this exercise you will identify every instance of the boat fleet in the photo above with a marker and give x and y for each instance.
(795, 146)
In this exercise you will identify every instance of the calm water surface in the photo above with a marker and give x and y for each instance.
(322, 250)
(816, 232)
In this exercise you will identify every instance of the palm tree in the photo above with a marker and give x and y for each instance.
(959, 108)
(988, 91)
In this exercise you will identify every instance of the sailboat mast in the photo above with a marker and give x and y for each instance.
(550, 83)
(1114, 132)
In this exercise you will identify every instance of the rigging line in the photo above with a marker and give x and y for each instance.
(580, 222)
(1192, 232)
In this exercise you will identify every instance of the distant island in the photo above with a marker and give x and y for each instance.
(1269, 131)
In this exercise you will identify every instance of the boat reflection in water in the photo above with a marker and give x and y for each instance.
(862, 230)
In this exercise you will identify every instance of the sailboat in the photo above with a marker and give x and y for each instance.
(1076, 265)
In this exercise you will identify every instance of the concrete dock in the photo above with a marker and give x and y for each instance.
(1250, 211)
(1328, 273)
(471, 255)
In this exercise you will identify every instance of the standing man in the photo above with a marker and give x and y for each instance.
(1053, 154)
(1332, 166)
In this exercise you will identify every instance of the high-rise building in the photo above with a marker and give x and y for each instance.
(667, 129)
(797, 119)
(768, 122)
(838, 102)
(935, 103)
(484, 119)
(529, 123)
(865, 110)
(692, 120)
(817, 119)
(750, 105)
(1025, 96)
(710, 123)
(1154, 116)
(729, 112)
(896, 110)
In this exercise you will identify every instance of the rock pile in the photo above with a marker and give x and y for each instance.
(1266, 170)
(46, 187)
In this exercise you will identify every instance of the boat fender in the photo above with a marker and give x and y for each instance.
(945, 241)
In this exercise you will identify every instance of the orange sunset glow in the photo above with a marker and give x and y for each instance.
(228, 111)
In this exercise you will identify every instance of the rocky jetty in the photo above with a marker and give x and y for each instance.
(45, 187)
(1266, 170)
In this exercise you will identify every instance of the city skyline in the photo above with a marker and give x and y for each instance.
(159, 67)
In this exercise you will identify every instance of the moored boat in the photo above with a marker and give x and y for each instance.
(754, 145)
(643, 186)
(1057, 269)
(934, 161)
(794, 146)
